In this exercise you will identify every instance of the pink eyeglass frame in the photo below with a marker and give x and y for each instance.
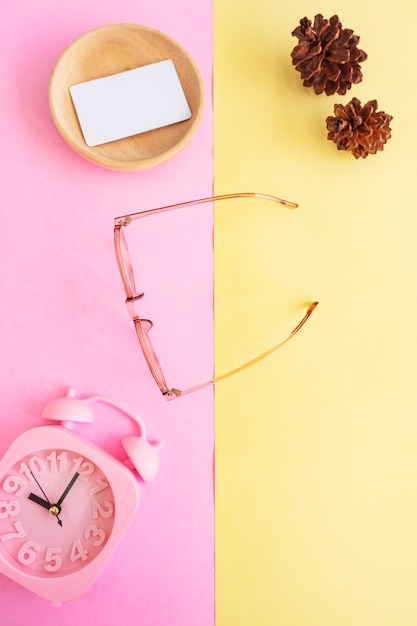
(143, 326)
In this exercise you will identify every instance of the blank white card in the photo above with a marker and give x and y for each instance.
(129, 103)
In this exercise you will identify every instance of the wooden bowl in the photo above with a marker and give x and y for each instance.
(109, 50)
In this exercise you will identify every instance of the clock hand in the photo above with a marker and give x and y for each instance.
(69, 486)
(37, 482)
(38, 500)
(52, 508)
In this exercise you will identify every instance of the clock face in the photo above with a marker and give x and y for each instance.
(56, 512)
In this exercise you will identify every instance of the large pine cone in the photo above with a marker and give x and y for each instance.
(362, 130)
(327, 55)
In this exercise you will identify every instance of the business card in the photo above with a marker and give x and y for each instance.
(129, 103)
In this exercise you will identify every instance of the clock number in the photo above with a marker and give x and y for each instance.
(18, 534)
(98, 534)
(23, 469)
(27, 553)
(15, 484)
(78, 551)
(62, 458)
(100, 485)
(106, 510)
(36, 466)
(53, 559)
(58, 461)
(9, 509)
(84, 468)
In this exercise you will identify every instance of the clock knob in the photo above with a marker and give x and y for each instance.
(68, 409)
(143, 455)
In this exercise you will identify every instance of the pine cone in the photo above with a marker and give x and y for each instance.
(327, 55)
(362, 130)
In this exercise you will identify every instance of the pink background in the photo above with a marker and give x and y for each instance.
(63, 318)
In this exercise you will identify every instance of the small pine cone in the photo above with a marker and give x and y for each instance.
(360, 129)
(327, 55)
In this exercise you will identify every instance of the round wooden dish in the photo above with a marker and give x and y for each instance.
(109, 50)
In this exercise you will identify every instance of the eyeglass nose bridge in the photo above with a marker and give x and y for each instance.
(130, 304)
(145, 324)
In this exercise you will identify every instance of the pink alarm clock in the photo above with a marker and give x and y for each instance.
(65, 503)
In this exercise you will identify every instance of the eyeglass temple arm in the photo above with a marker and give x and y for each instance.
(253, 361)
(125, 220)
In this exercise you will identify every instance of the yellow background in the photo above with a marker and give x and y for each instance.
(316, 447)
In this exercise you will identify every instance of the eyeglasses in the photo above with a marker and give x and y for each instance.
(143, 326)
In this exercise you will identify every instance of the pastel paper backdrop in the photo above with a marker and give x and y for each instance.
(64, 322)
(316, 465)
(315, 447)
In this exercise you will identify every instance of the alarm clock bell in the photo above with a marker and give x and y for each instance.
(142, 453)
